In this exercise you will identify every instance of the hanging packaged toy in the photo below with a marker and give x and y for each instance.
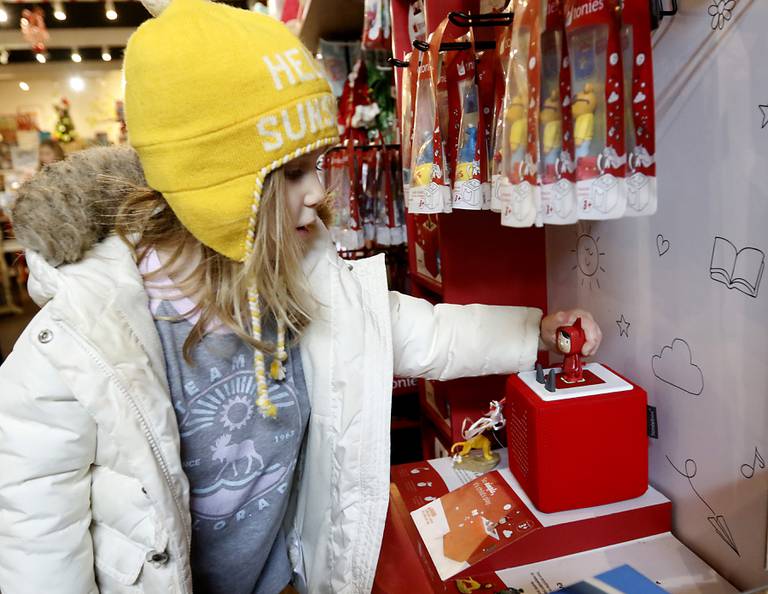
(429, 191)
(406, 116)
(392, 189)
(449, 106)
(388, 204)
(597, 105)
(344, 226)
(377, 27)
(520, 154)
(467, 193)
(486, 82)
(367, 177)
(500, 105)
(557, 167)
(355, 101)
(640, 181)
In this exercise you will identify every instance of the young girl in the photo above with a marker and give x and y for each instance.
(204, 398)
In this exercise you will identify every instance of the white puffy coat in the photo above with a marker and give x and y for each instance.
(93, 497)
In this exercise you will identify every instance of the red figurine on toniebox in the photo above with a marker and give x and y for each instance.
(570, 341)
(576, 434)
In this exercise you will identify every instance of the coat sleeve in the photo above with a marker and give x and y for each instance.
(47, 446)
(449, 341)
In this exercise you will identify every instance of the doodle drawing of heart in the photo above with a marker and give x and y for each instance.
(662, 244)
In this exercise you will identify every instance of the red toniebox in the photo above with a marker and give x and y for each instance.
(581, 445)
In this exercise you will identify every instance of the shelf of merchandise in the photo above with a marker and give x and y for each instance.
(331, 19)
(480, 261)
(427, 283)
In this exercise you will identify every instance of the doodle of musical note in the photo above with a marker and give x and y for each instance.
(748, 470)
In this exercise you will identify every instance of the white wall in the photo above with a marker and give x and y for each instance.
(712, 151)
(92, 110)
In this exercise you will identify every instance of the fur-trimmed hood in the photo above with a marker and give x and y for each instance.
(69, 206)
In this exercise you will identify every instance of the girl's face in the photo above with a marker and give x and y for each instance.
(304, 191)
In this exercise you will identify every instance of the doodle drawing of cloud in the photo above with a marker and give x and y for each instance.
(674, 366)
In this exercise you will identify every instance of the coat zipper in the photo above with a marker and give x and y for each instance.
(142, 421)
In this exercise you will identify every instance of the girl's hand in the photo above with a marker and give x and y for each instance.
(550, 323)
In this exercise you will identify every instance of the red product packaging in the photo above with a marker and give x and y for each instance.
(639, 108)
(465, 121)
(558, 170)
(500, 107)
(406, 116)
(597, 103)
(429, 190)
(377, 25)
(486, 88)
(583, 445)
(560, 534)
(520, 154)
(340, 180)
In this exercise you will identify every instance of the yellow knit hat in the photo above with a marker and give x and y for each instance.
(216, 98)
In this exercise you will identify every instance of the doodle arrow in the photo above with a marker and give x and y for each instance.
(721, 527)
(764, 111)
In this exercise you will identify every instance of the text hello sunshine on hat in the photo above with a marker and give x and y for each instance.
(217, 97)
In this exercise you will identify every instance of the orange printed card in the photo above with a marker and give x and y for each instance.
(472, 522)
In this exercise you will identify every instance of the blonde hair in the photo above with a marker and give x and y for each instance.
(220, 286)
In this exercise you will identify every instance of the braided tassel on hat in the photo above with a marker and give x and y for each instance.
(277, 368)
(267, 409)
(277, 371)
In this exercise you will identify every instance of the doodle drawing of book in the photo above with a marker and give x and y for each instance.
(737, 269)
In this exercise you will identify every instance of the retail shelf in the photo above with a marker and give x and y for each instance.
(427, 283)
(403, 423)
(402, 386)
(331, 19)
(438, 422)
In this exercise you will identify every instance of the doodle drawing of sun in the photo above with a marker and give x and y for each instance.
(588, 259)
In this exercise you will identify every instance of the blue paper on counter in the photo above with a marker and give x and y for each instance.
(623, 579)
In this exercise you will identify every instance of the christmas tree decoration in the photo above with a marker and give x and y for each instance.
(65, 129)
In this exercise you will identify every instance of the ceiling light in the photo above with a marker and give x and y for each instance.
(4, 56)
(41, 58)
(3, 13)
(77, 84)
(58, 11)
(110, 10)
(105, 55)
(76, 57)
(23, 86)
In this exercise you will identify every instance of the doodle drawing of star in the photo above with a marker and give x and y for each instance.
(764, 111)
(623, 326)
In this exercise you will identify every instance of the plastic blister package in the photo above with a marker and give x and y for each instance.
(406, 116)
(557, 167)
(520, 151)
(597, 105)
(345, 229)
(501, 104)
(640, 181)
(429, 191)
(467, 192)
